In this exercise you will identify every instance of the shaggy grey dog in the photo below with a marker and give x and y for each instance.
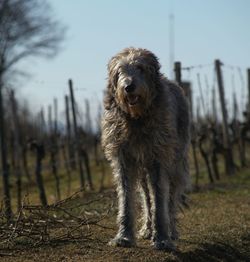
(145, 136)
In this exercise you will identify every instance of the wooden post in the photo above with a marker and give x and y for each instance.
(214, 109)
(55, 116)
(17, 151)
(12, 150)
(56, 134)
(66, 165)
(245, 128)
(207, 93)
(24, 158)
(235, 107)
(229, 163)
(40, 154)
(43, 129)
(87, 168)
(70, 143)
(50, 119)
(204, 154)
(5, 166)
(88, 125)
(53, 151)
(177, 69)
(186, 86)
(77, 138)
(201, 95)
(248, 85)
(193, 144)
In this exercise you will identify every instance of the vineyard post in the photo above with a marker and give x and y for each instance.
(201, 96)
(17, 147)
(5, 167)
(244, 129)
(214, 109)
(77, 142)
(56, 134)
(229, 163)
(66, 157)
(248, 85)
(53, 151)
(71, 153)
(177, 70)
(40, 154)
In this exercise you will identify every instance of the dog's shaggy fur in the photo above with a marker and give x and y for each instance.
(145, 136)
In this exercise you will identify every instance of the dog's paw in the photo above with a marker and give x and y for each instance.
(145, 233)
(166, 245)
(122, 242)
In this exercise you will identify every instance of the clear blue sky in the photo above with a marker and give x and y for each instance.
(97, 29)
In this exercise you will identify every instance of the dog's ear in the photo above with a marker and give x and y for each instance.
(108, 100)
(112, 73)
(151, 64)
(111, 85)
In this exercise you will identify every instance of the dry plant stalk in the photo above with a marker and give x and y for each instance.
(67, 220)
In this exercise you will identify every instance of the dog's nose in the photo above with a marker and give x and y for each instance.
(130, 88)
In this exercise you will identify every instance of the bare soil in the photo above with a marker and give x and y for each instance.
(216, 227)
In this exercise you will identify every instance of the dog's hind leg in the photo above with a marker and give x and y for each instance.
(160, 193)
(146, 230)
(125, 180)
(173, 206)
(177, 193)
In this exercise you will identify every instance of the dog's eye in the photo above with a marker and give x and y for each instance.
(140, 68)
(117, 75)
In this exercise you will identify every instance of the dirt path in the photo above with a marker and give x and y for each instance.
(215, 228)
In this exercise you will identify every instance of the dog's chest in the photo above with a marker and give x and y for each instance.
(139, 143)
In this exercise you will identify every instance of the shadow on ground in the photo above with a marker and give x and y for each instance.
(217, 251)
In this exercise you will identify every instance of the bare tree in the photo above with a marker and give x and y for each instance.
(27, 28)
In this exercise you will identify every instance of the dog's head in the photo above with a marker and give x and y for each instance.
(133, 79)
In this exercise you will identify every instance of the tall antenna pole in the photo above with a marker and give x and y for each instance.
(171, 41)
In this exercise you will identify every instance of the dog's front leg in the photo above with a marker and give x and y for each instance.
(160, 192)
(125, 179)
(146, 230)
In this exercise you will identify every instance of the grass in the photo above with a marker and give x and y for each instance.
(215, 228)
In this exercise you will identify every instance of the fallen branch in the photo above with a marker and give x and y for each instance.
(65, 221)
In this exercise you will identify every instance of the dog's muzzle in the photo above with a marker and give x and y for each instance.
(131, 98)
(130, 88)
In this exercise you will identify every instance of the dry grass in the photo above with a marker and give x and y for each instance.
(215, 228)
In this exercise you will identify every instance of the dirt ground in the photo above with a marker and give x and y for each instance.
(216, 227)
